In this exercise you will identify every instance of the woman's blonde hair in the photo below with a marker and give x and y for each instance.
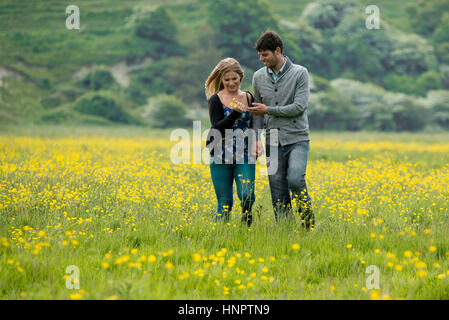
(214, 81)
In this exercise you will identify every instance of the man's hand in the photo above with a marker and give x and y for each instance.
(258, 109)
(256, 148)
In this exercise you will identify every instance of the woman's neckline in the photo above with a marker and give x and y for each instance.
(218, 96)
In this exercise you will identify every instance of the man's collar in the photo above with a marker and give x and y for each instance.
(270, 70)
(284, 67)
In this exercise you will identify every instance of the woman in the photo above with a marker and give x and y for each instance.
(228, 109)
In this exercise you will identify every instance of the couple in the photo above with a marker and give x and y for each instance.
(281, 92)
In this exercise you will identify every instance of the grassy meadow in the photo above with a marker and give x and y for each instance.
(110, 202)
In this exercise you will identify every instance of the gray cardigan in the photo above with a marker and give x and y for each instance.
(287, 101)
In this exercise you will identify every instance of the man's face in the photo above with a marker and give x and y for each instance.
(270, 58)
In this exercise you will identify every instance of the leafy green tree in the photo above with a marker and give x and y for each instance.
(440, 38)
(440, 115)
(159, 30)
(315, 50)
(403, 83)
(444, 71)
(438, 103)
(430, 80)
(238, 25)
(360, 94)
(329, 110)
(98, 79)
(326, 15)
(353, 54)
(104, 104)
(441, 33)
(371, 53)
(442, 51)
(362, 51)
(336, 42)
(425, 15)
(409, 115)
(411, 55)
(166, 111)
(377, 117)
(318, 84)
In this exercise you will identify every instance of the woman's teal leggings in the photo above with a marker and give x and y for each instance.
(223, 176)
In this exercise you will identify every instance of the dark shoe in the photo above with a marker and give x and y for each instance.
(307, 216)
(247, 218)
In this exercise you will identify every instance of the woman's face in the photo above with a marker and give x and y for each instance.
(231, 81)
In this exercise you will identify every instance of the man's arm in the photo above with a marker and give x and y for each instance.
(257, 97)
(257, 120)
(256, 148)
(255, 109)
(300, 101)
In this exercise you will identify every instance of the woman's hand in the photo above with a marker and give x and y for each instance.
(238, 106)
(256, 148)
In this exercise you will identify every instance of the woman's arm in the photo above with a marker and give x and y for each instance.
(216, 115)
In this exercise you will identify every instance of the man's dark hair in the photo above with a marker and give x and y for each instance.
(270, 40)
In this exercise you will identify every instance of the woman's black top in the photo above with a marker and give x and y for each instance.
(221, 122)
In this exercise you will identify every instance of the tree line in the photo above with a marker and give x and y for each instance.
(400, 78)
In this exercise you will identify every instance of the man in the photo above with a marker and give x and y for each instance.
(281, 92)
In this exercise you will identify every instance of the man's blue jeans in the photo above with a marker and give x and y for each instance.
(289, 177)
(223, 176)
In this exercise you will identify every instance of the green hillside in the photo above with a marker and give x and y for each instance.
(47, 70)
(33, 33)
(392, 11)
